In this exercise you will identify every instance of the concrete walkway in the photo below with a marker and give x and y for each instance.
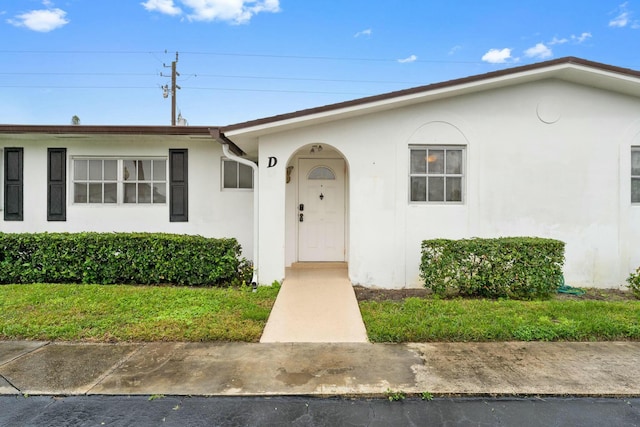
(316, 303)
(320, 369)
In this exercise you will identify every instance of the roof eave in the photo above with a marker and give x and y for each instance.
(105, 130)
(428, 92)
(222, 139)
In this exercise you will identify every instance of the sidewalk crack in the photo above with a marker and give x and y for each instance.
(26, 353)
(10, 383)
(115, 366)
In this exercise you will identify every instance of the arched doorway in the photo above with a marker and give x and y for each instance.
(317, 192)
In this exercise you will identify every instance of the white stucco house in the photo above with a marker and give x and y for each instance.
(548, 150)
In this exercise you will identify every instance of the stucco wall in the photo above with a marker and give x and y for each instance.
(547, 159)
(212, 211)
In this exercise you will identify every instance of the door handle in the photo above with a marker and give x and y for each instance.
(301, 217)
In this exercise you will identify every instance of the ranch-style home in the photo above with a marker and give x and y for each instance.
(548, 150)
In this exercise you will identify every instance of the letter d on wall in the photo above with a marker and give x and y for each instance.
(272, 162)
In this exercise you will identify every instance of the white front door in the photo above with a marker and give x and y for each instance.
(321, 212)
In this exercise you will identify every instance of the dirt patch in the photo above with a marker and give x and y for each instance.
(376, 294)
(600, 295)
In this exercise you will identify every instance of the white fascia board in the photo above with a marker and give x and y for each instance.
(567, 71)
(389, 103)
(602, 79)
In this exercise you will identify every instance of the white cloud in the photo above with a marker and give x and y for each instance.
(539, 51)
(163, 6)
(43, 20)
(624, 18)
(620, 21)
(454, 49)
(573, 38)
(235, 11)
(497, 56)
(408, 59)
(556, 40)
(581, 38)
(366, 33)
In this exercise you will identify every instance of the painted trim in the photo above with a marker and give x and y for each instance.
(14, 184)
(179, 185)
(56, 184)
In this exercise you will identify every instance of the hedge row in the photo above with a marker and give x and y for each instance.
(634, 283)
(119, 258)
(508, 267)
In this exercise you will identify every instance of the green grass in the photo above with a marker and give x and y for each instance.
(133, 313)
(145, 313)
(430, 320)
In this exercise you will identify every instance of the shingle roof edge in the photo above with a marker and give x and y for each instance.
(107, 129)
(430, 87)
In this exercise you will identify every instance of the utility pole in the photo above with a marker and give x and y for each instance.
(174, 88)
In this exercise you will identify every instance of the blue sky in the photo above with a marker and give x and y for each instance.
(105, 60)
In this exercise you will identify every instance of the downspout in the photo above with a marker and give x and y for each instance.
(226, 150)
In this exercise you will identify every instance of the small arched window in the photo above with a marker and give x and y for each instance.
(321, 172)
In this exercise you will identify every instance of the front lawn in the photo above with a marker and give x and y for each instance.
(112, 313)
(116, 313)
(428, 320)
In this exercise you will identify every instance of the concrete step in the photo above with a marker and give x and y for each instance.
(318, 265)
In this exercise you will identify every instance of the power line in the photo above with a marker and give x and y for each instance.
(330, 58)
(226, 76)
(74, 87)
(230, 54)
(90, 52)
(30, 73)
(306, 79)
(218, 76)
(277, 91)
(235, 54)
(262, 55)
(182, 87)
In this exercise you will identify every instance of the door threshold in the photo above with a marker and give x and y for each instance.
(301, 265)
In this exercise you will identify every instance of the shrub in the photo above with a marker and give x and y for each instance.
(634, 283)
(508, 267)
(122, 258)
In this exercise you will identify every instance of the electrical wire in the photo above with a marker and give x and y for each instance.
(205, 75)
(234, 54)
(185, 87)
(221, 76)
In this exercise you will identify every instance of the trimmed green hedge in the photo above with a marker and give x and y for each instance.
(119, 258)
(634, 283)
(508, 267)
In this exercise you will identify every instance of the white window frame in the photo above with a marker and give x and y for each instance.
(120, 180)
(444, 174)
(223, 162)
(634, 177)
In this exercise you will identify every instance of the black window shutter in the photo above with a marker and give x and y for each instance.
(57, 184)
(178, 185)
(13, 184)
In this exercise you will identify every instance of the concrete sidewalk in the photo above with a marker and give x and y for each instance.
(316, 304)
(240, 369)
